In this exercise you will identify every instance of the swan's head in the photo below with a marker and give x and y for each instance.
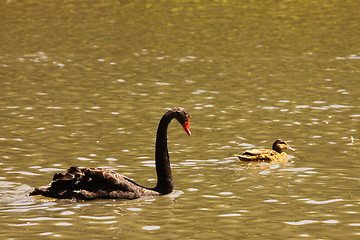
(183, 118)
(280, 145)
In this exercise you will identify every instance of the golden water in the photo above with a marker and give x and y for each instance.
(85, 83)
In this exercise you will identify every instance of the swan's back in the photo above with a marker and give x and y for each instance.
(91, 183)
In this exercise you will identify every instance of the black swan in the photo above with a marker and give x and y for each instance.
(92, 183)
(274, 154)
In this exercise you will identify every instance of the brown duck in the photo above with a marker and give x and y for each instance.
(274, 154)
(92, 183)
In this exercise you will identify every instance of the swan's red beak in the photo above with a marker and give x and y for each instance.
(186, 127)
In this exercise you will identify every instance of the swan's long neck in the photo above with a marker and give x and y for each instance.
(162, 162)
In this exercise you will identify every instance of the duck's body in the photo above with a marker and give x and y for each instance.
(262, 155)
(91, 183)
(274, 154)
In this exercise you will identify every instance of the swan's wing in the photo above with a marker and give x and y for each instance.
(107, 180)
(90, 183)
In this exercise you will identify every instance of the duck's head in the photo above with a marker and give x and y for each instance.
(280, 145)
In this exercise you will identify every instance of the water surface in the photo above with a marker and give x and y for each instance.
(85, 83)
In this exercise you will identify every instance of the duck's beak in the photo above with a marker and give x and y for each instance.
(290, 148)
(186, 127)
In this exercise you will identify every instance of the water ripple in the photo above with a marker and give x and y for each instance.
(150, 228)
(230, 215)
(324, 202)
(302, 222)
(44, 219)
(98, 218)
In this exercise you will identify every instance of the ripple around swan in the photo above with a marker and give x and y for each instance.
(210, 196)
(134, 209)
(68, 213)
(23, 173)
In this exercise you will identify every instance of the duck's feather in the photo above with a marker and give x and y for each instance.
(262, 155)
(255, 152)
